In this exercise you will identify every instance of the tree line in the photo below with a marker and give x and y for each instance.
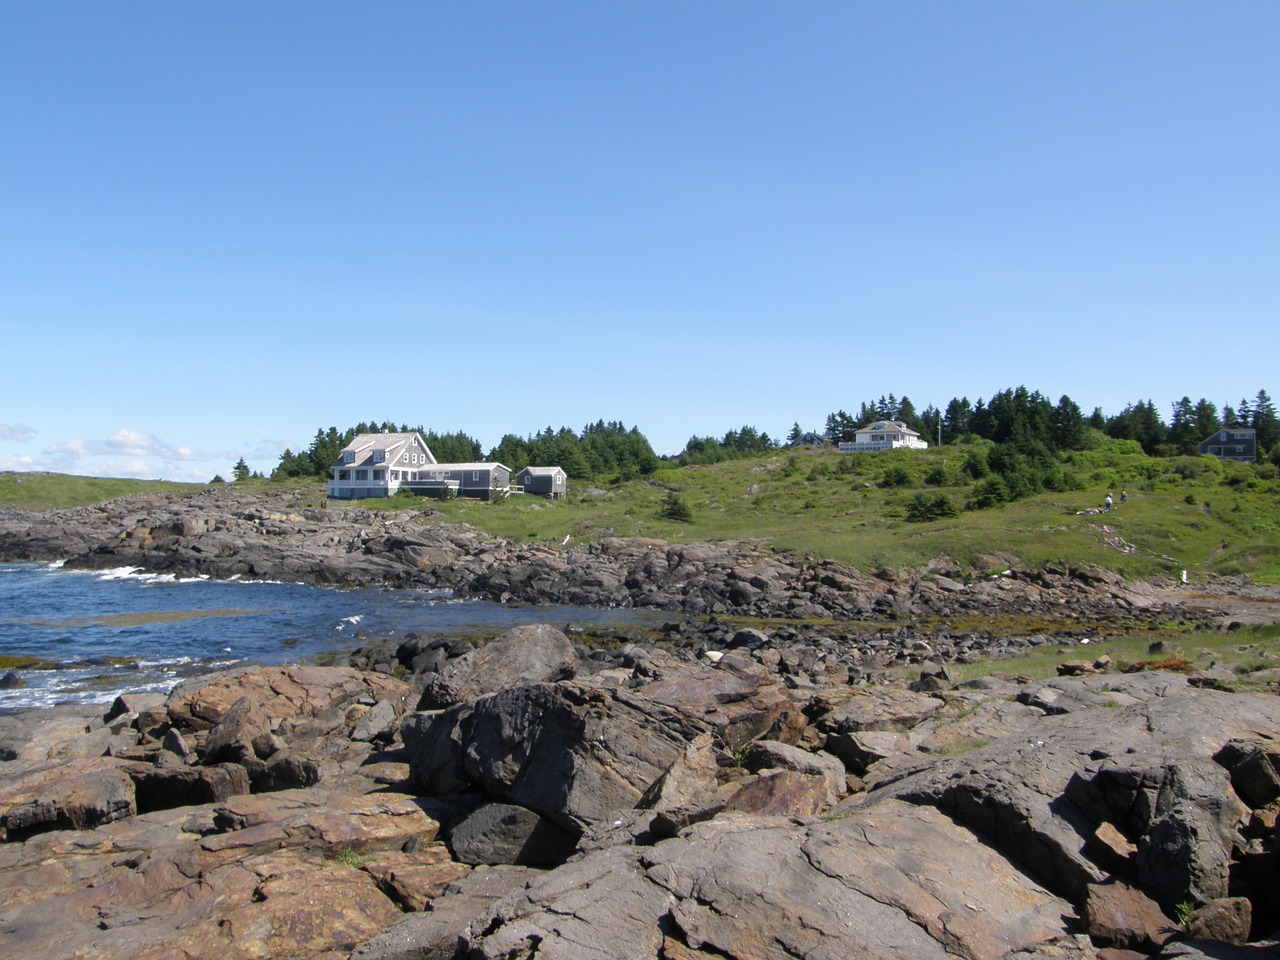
(600, 450)
(1027, 430)
(1021, 416)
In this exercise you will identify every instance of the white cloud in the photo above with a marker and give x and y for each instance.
(18, 432)
(20, 464)
(129, 443)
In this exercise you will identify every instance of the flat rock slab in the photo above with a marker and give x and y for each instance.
(279, 880)
(904, 883)
(281, 693)
(1147, 769)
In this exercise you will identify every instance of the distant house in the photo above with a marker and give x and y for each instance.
(809, 439)
(1232, 443)
(382, 464)
(550, 482)
(885, 435)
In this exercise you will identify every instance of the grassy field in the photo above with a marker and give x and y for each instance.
(1189, 513)
(48, 491)
(1222, 519)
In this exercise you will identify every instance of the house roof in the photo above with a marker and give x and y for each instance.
(364, 444)
(468, 466)
(897, 425)
(1242, 432)
(542, 471)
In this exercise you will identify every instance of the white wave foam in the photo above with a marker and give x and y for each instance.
(118, 573)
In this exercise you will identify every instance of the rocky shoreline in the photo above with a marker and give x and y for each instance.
(523, 800)
(261, 532)
(718, 791)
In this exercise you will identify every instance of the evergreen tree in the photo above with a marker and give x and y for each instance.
(1265, 422)
(841, 427)
(795, 434)
(930, 424)
(241, 470)
(1206, 419)
(1183, 436)
(907, 414)
(955, 422)
(291, 466)
(1067, 425)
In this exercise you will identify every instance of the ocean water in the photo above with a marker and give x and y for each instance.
(87, 636)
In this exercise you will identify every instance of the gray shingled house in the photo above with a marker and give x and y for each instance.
(1232, 443)
(382, 464)
(550, 482)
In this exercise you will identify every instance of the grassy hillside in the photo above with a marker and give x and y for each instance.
(46, 491)
(1191, 513)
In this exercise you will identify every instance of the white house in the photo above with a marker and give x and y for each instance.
(885, 435)
(382, 464)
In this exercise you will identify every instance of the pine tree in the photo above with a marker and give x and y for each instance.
(241, 470)
(1264, 420)
(1182, 428)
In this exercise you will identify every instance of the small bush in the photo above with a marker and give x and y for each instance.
(674, 508)
(924, 508)
(989, 492)
(896, 476)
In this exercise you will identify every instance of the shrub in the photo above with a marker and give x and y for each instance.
(896, 476)
(924, 507)
(674, 508)
(989, 492)
(975, 464)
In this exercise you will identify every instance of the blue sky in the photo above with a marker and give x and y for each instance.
(225, 225)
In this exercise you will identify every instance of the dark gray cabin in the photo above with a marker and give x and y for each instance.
(1232, 443)
(550, 482)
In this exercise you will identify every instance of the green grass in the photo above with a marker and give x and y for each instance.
(1252, 654)
(827, 505)
(46, 491)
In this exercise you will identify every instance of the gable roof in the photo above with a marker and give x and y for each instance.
(469, 466)
(541, 471)
(363, 446)
(896, 425)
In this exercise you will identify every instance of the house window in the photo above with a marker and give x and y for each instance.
(362, 475)
(348, 456)
(344, 475)
(378, 475)
(395, 474)
(475, 475)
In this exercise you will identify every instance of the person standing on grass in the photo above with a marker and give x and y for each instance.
(1107, 503)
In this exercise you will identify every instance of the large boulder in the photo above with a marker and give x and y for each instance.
(577, 751)
(526, 654)
(569, 753)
